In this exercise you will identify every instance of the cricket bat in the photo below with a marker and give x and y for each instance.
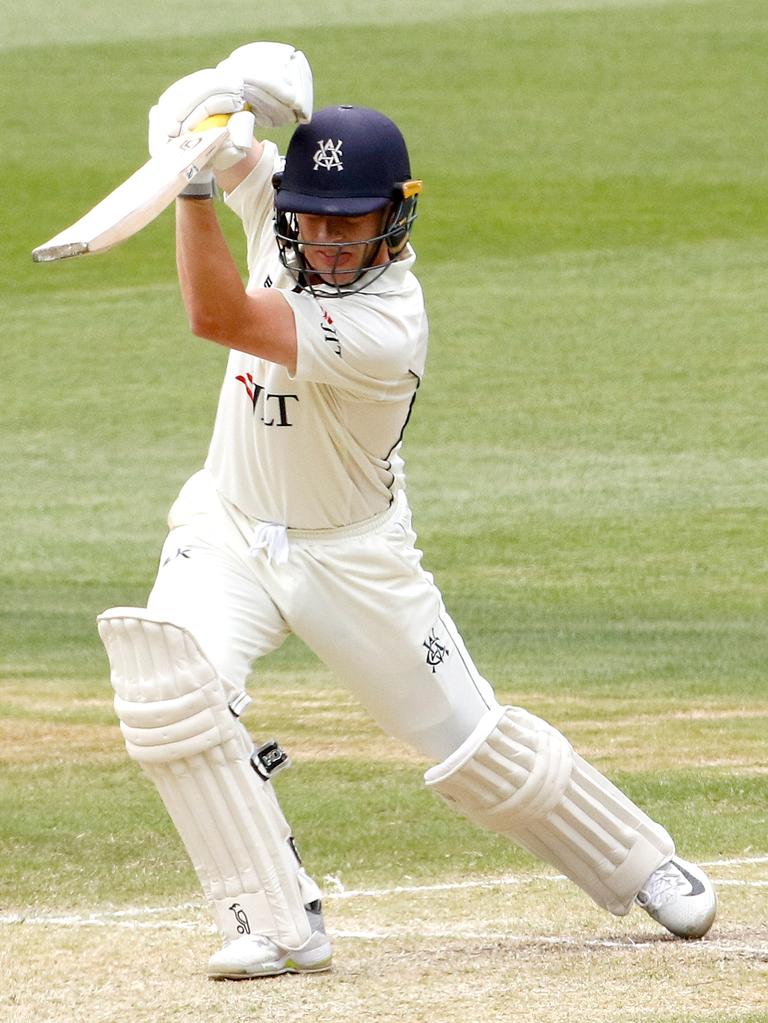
(142, 197)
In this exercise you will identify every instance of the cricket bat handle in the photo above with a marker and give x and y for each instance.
(214, 121)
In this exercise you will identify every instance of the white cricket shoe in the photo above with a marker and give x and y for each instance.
(255, 955)
(680, 897)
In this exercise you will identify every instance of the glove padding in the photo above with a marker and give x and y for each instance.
(189, 101)
(276, 80)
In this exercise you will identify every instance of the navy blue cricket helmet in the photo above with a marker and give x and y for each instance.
(347, 161)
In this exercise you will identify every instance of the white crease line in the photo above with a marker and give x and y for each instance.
(109, 916)
(410, 933)
(729, 882)
(147, 910)
(447, 886)
(106, 917)
(503, 882)
(103, 917)
(743, 862)
(95, 921)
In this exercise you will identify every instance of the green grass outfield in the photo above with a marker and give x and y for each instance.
(587, 458)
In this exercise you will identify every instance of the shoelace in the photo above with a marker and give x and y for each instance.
(663, 885)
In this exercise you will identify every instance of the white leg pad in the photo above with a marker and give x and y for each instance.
(176, 720)
(518, 776)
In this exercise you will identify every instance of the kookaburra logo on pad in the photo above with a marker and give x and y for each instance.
(243, 924)
(328, 155)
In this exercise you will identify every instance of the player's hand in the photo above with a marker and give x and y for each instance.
(186, 103)
(277, 82)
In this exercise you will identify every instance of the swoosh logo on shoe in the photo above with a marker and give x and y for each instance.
(697, 888)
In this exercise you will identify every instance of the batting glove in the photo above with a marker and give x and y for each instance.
(277, 82)
(186, 103)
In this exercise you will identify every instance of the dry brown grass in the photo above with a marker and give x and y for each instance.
(535, 949)
(529, 948)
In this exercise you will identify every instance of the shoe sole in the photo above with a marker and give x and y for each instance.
(289, 966)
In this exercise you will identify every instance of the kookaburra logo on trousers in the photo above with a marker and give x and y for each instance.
(328, 155)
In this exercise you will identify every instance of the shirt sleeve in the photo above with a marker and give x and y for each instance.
(368, 346)
(253, 202)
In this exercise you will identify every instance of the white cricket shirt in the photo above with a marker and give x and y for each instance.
(319, 449)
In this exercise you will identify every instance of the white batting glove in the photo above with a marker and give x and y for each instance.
(186, 103)
(277, 82)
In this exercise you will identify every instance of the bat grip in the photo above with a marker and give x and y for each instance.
(214, 121)
(217, 120)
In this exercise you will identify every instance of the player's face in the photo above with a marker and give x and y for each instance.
(337, 248)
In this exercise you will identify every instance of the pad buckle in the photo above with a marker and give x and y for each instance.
(239, 704)
(268, 759)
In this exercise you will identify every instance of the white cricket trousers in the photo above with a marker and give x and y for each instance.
(357, 596)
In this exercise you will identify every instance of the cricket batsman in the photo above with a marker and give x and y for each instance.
(299, 523)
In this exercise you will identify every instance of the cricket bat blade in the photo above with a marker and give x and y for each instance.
(139, 200)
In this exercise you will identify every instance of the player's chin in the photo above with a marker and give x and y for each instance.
(336, 275)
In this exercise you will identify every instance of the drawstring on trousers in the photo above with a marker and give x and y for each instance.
(272, 538)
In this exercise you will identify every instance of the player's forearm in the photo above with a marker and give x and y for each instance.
(210, 283)
(229, 178)
(218, 306)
